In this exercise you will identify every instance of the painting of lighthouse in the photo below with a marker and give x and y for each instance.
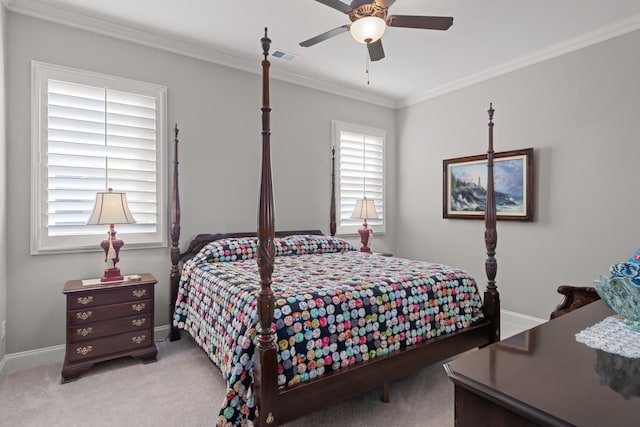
(464, 186)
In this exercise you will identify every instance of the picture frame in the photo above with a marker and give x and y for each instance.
(464, 185)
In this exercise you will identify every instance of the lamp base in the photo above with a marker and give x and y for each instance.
(365, 237)
(111, 248)
(112, 275)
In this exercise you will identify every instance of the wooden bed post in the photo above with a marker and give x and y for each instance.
(265, 374)
(332, 211)
(491, 296)
(174, 276)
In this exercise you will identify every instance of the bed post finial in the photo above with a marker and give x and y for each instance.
(266, 44)
(491, 296)
(174, 276)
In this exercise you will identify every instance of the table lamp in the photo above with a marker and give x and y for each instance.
(365, 209)
(111, 208)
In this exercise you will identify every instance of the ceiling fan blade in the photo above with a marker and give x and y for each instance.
(424, 22)
(385, 3)
(337, 5)
(324, 36)
(376, 52)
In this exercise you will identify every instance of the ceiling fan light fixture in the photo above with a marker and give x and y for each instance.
(368, 29)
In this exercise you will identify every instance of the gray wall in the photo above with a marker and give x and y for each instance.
(580, 112)
(3, 178)
(218, 111)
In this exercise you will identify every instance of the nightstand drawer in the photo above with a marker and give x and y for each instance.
(109, 327)
(94, 298)
(106, 312)
(113, 344)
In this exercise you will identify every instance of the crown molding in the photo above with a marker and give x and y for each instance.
(617, 29)
(103, 26)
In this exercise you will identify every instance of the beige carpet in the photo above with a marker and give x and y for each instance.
(184, 389)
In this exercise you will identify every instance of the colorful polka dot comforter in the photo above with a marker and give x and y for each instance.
(334, 307)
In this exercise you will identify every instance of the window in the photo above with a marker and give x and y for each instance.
(359, 173)
(91, 132)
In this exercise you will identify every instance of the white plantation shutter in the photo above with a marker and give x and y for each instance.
(91, 133)
(360, 172)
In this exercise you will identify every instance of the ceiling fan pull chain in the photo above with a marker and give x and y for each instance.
(366, 60)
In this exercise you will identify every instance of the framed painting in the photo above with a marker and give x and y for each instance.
(465, 191)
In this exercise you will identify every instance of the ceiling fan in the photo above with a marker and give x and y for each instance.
(369, 19)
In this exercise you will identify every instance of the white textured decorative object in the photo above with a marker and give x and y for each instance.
(612, 336)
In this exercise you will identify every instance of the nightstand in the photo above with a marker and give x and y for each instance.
(107, 321)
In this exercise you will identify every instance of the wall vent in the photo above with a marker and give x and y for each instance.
(285, 56)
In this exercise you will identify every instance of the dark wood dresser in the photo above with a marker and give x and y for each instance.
(107, 321)
(543, 376)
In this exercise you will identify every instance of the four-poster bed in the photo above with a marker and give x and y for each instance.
(381, 325)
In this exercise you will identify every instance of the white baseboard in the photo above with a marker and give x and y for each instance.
(31, 359)
(3, 370)
(512, 322)
(45, 356)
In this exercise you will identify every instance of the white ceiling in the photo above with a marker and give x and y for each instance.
(488, 37)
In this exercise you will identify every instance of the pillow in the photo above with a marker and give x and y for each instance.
(301, 244)
(225, 250)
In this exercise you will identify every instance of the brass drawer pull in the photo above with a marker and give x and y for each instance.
(84, 315)
(84, 331)
(84, 350)
(139, 339)
(138, 307)
(138, 322)
(139, 293)
(85, 300)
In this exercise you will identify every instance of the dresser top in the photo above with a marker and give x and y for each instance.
(546, 375)
(77, 285)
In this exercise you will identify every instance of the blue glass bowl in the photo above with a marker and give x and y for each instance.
(622, 295)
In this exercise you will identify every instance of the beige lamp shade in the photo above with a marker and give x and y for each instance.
(368, 29)
(111, 208)
(365, 209)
